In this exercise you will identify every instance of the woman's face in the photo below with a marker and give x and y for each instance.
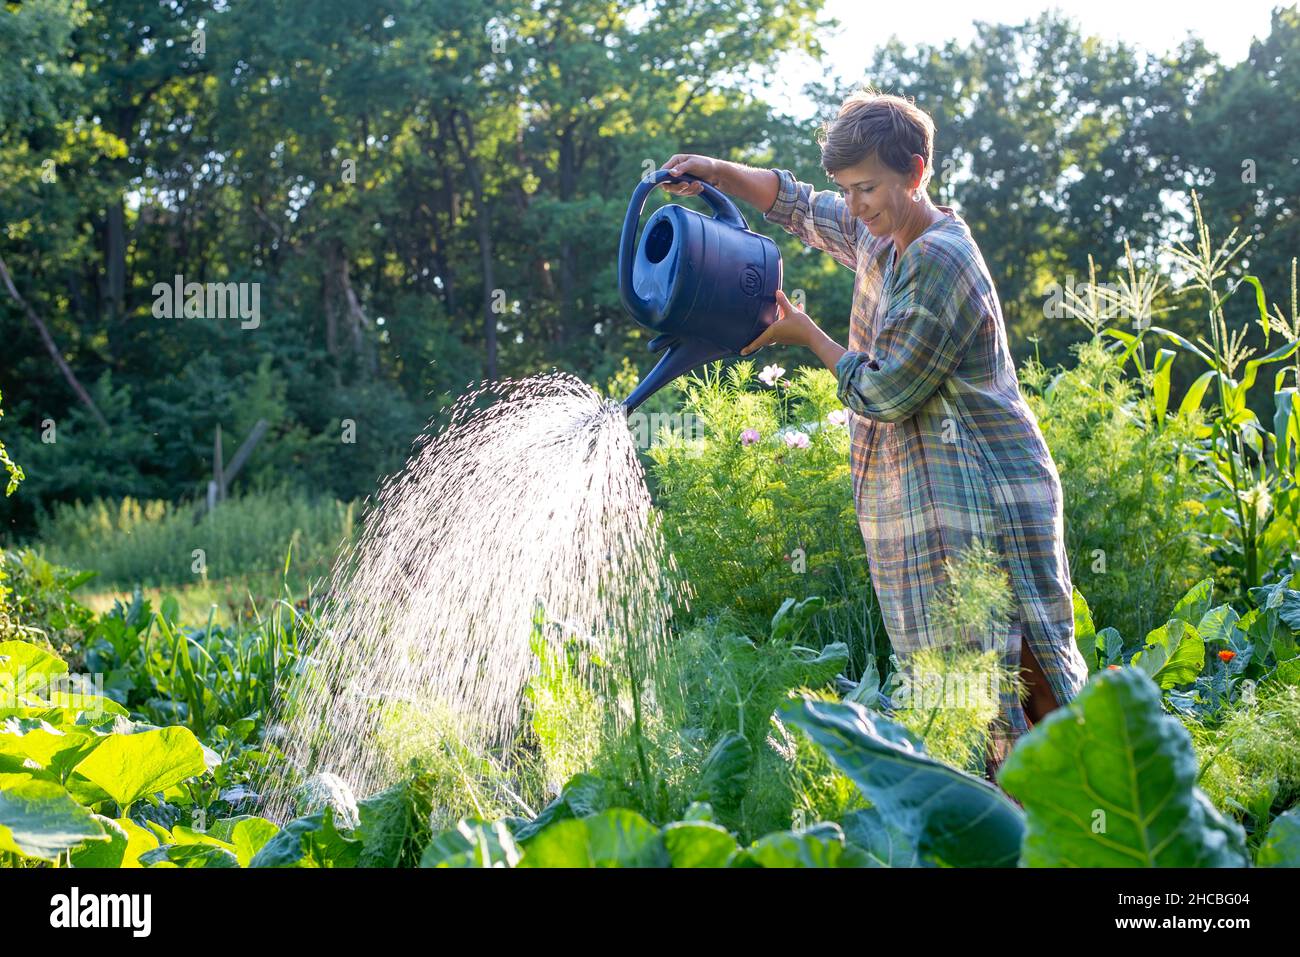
(877, 195)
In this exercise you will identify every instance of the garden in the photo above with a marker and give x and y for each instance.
(779, 730)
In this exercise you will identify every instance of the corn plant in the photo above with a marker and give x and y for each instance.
(1240, 451)
(1254, 468)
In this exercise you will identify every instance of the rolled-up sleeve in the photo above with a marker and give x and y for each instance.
(819, 217)
(923, 337)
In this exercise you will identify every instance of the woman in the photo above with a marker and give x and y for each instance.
(944, 449)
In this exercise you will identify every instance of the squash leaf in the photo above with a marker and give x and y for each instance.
(129, 766)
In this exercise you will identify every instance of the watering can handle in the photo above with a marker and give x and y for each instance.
(721, 204)
(723, 209)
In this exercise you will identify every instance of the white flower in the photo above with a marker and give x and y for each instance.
(796, 440)
(770, 374)
(838, 417)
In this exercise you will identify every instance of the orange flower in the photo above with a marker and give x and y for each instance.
(1225, 656)
(1113, 667)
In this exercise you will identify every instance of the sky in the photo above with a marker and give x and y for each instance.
(1227, 29)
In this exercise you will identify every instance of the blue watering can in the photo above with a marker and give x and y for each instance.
(706, 284)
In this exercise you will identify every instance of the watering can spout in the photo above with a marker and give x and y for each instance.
(682, 353)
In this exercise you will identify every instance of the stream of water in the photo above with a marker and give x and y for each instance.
(530, 496)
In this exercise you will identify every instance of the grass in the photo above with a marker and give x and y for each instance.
(154, 544)
(230, 600)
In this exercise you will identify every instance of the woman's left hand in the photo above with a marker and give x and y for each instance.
(793, 328)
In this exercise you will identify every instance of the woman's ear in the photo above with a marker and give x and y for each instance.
(918, 171)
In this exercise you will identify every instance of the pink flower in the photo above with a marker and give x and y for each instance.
(770, 374)
(749, 437)
(838, 417)
(796, 440)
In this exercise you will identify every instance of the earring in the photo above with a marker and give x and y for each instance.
(916, 195)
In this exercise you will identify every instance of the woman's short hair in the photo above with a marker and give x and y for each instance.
(892, 128)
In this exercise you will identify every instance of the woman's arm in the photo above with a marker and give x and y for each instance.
(795, 327)
(819, 217)
(827, 349)
(758, 187)
(916, 355)
(923, 338)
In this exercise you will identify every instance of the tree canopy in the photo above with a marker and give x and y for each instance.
(430, 194)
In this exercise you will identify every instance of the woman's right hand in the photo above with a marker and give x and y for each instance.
(703, 167)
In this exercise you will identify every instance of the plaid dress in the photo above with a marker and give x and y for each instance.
(944, 449)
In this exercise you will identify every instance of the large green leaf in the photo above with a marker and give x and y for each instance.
(90, 705)
(1195, 393)
(725, 772)
(792, 617)
(104, 853)
(37, 740)
(698, 844)
(949, 817)
(885, 844)
(200, 854)
(22, 657)
(582, 795)
(385, 821)
(247, 833)
(40, 819)
(1174, 654)
(813, 667)
(614, 838)
(820, 846)
(1085, 632)
(128, 841)
(188, 835)
(1282, 846)
(310, 841)
(473, 843)
(586, 794)
(1109, 645)
(1109, 781)
(1193, 606)
(129, 766)
(326, 789)
(1219, 623)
